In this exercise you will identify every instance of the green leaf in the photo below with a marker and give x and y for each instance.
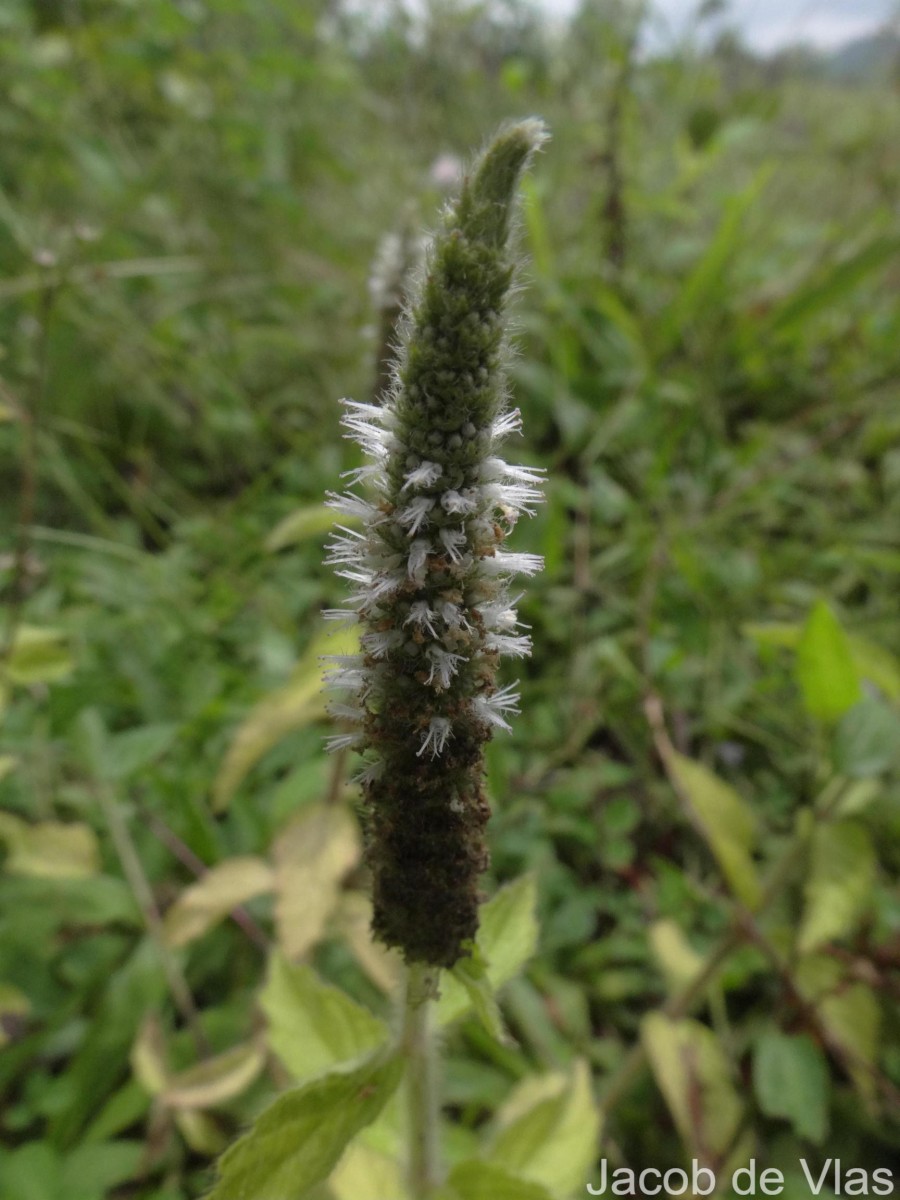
(833, 284)
(476, 1180)
(791, 1080)
(298, 703)
(693, 1075)
(849, 1012)
(311, 521)
(313, 1027)
(507, 938)
(867, 739)
(471, 972)
(548, 1130)
(38, 656)
(705, 286)
(825, 670)
(131, 751)
(840, 882)
(727, 823)
(877, 665)
(96, 1168)
(298, 1140)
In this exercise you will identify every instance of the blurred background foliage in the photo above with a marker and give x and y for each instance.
(704, 779)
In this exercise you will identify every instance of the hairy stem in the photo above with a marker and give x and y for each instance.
(423, 1167)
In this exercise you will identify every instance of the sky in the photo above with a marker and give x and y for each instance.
(768, 24)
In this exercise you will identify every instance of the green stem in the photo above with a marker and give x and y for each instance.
(423, 1108)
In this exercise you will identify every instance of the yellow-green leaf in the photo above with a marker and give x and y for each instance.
(693, 1075)
(849, 1012)
(8, 763)
(297, 1141)
(726, 822)
(826, 672)
(224, 887)
(476, 1180)
(312, 1026)
(38, 656)
(312, 855)
(49, 849)
(679, 961)
(149, 1060)
(299, 702)
(840, 882)
(366, 1174)
(311, 521)
(353, 920)
(216, 1079)
(507, 938)
(548, 1129)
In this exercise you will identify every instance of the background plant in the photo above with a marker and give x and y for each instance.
(184, 261)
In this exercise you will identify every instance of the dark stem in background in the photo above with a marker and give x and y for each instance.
(29, 414)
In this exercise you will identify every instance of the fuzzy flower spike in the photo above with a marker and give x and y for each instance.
(431, 581)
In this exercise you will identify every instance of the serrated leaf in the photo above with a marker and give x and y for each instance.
(839, 885)
(727, 823)
(216, 1079)
(849, 1012)
(312, 1026)
(548, 1129)
(476, 1180)
(353, 921)
(507, 938)
(791, 1080)
(825, 670)
(312, 855)
(693, 1075)
(298, 1140)
(291, 707)
(311, 521)
(224, 887)
(679, 961)
(366, 1174)
(49, 849)
(867, 740)
(38, 656)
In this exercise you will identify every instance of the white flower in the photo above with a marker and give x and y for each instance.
(415, 515)
(343, 741)
(505, 424)
(452, 539)
(504, 643)
(443, 666)
(494, 709)
(516, 564)
(439, 731)
(459, 502)
(424, 475)
(420, 614)
(418, 558)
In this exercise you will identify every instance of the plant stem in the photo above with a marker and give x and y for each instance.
(421, 1082)
(133, 871)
